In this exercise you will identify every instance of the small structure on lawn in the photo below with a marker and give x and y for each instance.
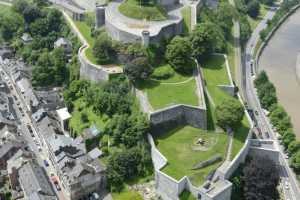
(64, 117)
(26, 38)
(91, 132)
(63, 43)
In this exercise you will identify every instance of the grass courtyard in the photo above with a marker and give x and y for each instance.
(186, 14)
(150, 10)
(127, 195)
(215, 74)
(83, 117)
(175, 89)
(178, 146)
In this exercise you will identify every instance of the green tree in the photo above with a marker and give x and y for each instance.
(31, 13)
(138, 69)
(224, 17)
(253, 8)
(229, 113)
(295, 161)
(102, 48)
(267, 95)
(287, 138)
(206, 38)
(11, 25)
(293, 147)
(59, 61)
(245, 29)
(19, 6)
(261, 79)
(261, 178)
(178, 54)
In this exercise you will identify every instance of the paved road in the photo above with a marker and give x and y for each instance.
(290, 186)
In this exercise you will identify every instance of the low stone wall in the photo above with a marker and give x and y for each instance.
(167, 118)
(90, 71)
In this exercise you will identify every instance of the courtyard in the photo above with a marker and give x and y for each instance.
(180, 147)
(166, 87)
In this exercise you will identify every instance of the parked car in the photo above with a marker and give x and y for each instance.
(46, 163)
(58, 188)
(286, 185)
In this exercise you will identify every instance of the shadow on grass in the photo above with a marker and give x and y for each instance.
(214, 62)
(241, 132)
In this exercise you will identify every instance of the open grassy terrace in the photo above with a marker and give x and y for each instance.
(85, 30)
(180, 148)
(176, 89)
(139, 10)
(215, 74)
(186, 14)
(127, 195)
(84, 116)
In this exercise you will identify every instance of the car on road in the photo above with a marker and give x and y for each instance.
(58, 188)
(46, 163)
(286, 185)
(286, 156)
(256, 112)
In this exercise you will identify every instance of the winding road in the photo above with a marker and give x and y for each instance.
(289, 182)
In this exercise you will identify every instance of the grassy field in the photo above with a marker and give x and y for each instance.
(186, 14)
(177, 89)
(215, 74)
(231, 55)
(85, 30)
(151, 11)
(185, 195)
(77, 124)
(127, 195)
(177, 147)
(254, 22)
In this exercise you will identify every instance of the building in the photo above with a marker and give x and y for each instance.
(64, 117)
(25, 89)
(26, 38)
(63, 43)
(80, 175)
(34, 182)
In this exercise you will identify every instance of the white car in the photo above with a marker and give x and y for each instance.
(286, 185)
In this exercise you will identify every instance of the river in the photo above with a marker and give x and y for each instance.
(279, 61)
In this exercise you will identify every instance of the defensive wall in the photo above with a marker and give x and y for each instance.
(167, 118)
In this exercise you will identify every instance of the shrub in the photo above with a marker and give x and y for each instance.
(163, 72)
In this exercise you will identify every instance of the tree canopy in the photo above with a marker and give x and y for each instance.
(229, 113)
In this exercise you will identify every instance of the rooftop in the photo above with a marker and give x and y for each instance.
(63, 114)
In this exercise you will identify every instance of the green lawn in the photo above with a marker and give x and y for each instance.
(177, 147)
(161, 95)
(186, 14)
(127, 195)
(185, 195)
(85, 30)
(215, 74)
(254, 22)
(4, 9)
(151, 11)
(231, 55)
(77, 125)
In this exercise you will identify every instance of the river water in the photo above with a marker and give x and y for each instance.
(279, 61)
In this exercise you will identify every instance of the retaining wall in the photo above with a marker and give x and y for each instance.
(90, 71)
(167, 118)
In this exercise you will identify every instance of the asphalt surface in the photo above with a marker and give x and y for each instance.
(288, 180)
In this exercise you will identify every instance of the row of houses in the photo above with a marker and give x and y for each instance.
(79, 172)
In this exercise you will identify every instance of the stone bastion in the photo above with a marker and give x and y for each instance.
(129, 30)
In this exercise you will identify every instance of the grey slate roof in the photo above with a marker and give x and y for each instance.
(33, 180)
